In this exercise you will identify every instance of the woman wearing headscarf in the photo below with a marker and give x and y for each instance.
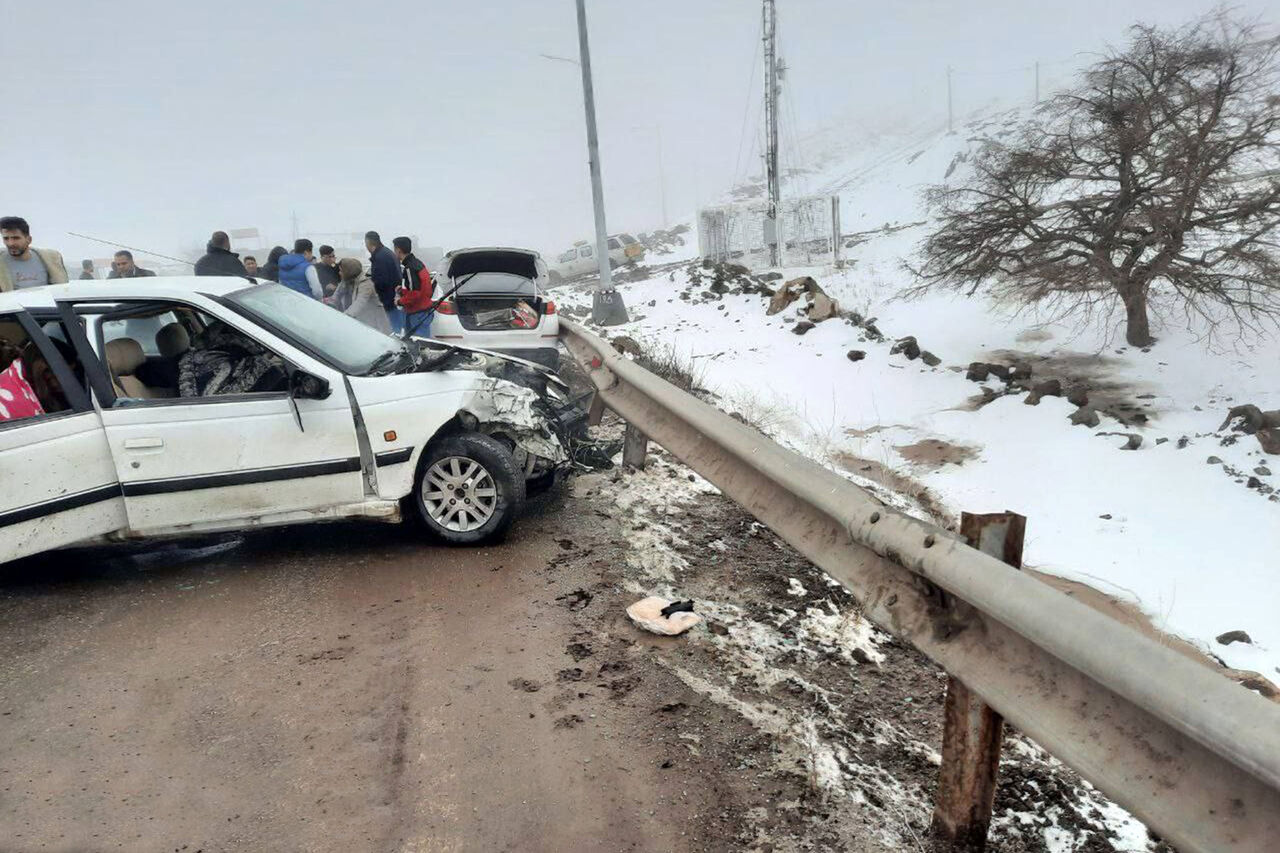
(357, 297)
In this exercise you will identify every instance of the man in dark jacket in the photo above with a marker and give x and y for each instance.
(416, 289)
(219, 259)
(385, 272)
(122, 266)
(327, 270)
(87, 272)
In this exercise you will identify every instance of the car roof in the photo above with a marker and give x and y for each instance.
(150, 287)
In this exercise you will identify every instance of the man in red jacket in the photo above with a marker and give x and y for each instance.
(416, 293)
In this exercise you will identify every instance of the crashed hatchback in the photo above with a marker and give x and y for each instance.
(150, 407)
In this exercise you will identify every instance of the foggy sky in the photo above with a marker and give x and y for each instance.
(153, 123)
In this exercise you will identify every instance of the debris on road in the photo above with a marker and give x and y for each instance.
(658, 616)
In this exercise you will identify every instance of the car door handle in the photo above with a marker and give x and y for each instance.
(143, 443)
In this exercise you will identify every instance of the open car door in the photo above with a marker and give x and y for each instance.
(60, 485)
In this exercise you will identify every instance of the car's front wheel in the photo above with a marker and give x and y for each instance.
(468, 489)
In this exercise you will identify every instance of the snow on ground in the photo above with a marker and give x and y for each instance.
(1186, 540)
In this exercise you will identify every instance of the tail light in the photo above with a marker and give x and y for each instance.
(549, 309)
(446, 307)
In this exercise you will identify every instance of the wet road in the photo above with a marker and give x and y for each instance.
(341, 687)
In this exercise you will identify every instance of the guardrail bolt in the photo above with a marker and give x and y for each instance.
(972, 731)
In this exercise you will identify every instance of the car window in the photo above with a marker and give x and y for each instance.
(496, 283)
(586, 252)
(179, 353)
(29, 386)
(568, 256)
(141, 329)
(627, 239)
(332, 336)
(614, 244)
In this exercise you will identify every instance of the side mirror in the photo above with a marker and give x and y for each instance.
(306, 386)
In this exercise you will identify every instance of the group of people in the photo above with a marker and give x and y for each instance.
(397, 293)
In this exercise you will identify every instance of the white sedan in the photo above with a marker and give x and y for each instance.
(495, 299)
(154, 407)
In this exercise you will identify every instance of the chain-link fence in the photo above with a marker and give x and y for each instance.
(808, 229)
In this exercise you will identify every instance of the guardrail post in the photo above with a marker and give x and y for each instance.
(972, 730)
(635, 446)
(595, 412)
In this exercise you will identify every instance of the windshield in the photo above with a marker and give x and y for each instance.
(331, 335)
(496, 282)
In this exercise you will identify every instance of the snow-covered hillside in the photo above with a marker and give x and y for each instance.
(1194, 543)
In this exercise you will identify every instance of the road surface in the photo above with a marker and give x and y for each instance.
(341, 687)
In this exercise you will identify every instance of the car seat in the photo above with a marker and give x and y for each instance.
(124, 357)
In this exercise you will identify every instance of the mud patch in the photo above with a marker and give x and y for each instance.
(933, 453)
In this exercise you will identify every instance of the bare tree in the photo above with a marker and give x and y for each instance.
(1151, 172)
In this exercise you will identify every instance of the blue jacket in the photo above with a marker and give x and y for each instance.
(384, 269)
(293, 273)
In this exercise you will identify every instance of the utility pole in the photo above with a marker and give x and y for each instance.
(950, 115)
(771, 236)
(606, 305)
(1037, 81)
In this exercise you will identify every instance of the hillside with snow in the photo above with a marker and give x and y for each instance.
(1185, 528)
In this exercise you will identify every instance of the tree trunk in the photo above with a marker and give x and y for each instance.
(1137, 328)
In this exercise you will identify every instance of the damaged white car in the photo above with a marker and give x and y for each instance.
(150, 407)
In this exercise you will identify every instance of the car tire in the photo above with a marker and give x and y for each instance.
(488, 490)
(554, 279)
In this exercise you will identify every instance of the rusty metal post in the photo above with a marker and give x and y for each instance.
(596, 411)
(635, 446)
(972, 731)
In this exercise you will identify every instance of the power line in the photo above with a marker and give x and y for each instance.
(132, 248)
(746, 107)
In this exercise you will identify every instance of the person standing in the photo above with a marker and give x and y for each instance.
(298, 270)
(122, 266)
(251, 266)
(24, 266)
(218, 258)
(327, 270)
(357, 297)
(385, 272)
(271, 269)
(87, 272)
(417, 290)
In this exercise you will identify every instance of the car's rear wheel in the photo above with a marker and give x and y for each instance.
(554, 278)
(468, 489)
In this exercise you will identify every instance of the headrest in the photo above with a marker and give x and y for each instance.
(124, 355)
(172, 340)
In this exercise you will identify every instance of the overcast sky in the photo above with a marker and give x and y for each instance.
(153, 123)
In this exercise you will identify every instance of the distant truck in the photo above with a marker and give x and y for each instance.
(581, 259)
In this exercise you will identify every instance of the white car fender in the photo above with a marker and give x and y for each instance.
(403, 412)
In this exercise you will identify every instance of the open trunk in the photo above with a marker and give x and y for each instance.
(499, 312)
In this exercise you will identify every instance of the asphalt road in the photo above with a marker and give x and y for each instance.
(342, 687)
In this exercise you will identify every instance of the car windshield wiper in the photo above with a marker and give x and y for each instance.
(387, 359)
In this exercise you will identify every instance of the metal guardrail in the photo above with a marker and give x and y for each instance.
(1193, 755)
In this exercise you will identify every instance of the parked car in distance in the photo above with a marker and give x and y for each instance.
(494, 299)
(581, 259)
(174, 406)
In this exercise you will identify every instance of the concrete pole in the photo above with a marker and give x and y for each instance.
(950, 126)
(606, 305)
(662, 178)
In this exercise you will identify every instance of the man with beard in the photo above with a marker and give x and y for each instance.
(24, 266)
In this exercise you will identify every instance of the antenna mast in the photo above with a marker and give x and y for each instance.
(771, 93)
